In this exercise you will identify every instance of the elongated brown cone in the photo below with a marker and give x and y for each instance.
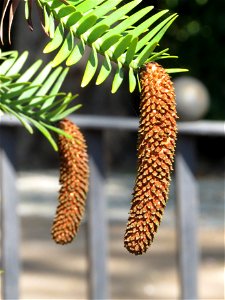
(74, 172)
(156, 146)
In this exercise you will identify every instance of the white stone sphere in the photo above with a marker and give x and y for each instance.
(192, 98)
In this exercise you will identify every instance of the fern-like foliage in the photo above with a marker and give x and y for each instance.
(110, 29)
(33, 96)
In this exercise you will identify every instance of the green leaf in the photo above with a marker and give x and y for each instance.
(56, 129)
(15, 92)
(119, 13)
(88, 5)
(65, 11)
(57, 85)
(55, 89)
(11, 54)
(30, 72)
(176, 70)
(7, 83)
(46, 20)
(104, 71)
(73, 19)
(131, 51)
(166, 56)
(140, 29)
(7, 64)
(156, 55)
(65, 113)
(157, 32)
(160, 34)
(18, 64)
(74, 2)
(49, 82)
(122, 46)
(143, 56)
(19, 117)
(51, 26)
(91, 67)
(118, 78)
(59, 106)
(106, 7)
(37, 81)
(55, 4)
(65, 50)
(26, 10)
(130, 21)
(44, 131)
(76, 54)
(56, 41)
(97, 32)
(27, 102)
(109, 42)
(86, 24)
(132, 80)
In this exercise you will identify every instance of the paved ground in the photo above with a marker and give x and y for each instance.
(50, 271)
(60, 272)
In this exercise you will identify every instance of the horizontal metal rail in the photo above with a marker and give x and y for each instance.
(212, 128)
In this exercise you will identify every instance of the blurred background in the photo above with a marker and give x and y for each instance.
(197, 37)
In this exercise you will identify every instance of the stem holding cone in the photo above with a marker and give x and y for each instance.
(74, 173)
(156, 147)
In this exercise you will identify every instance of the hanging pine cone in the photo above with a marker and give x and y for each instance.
(156, 146)
(74, 174)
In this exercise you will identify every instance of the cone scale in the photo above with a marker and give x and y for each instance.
(156, 146)
(74, 173)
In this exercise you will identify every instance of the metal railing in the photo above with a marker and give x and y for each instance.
(186, 202)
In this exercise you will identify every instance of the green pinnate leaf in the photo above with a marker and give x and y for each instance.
(122, 46)
(97, 32)
(143, 56)
(131, 51)
(86, 24)
(65, 11)
(112, 29)
(76, 54)
(141, 29)
(118, 78)
(176, 70)
(109, 42)
(91, 67)
(156, 33)
(87, 5)
(104, 71)
(18, 64)
(124, 25)
(56, 41)
(65, 50)
(132, 80)
(73, 19)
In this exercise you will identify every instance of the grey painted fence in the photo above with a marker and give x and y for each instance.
(186, 203)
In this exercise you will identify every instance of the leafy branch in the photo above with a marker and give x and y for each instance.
(34, 99)
(109, 31)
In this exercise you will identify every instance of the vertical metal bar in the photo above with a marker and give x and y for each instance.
(9, 217)
(96, 219)
(187, 214)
